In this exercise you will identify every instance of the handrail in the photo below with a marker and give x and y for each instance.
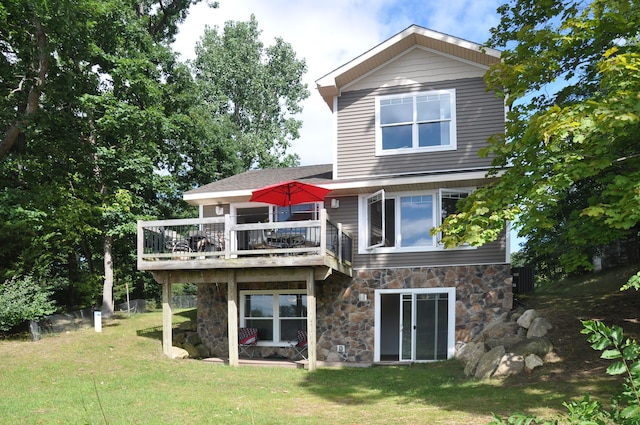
(220, 238)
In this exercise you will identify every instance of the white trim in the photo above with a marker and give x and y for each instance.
(329, 79)
(369, 245)
(275, 318)
(451, 317)
(334, 135)
(363, 225)
(366, 182)
(414, 148)
(414, 177)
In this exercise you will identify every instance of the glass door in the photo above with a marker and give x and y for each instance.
(407, 327)
(425, 324)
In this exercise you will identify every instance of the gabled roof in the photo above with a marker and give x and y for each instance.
(331, 84)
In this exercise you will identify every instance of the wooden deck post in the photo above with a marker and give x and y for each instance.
(232, 319)
(311, 321)
(167, 333)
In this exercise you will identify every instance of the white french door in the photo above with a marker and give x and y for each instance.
(414, 324)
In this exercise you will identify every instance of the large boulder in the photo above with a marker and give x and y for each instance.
(538, 346)
(469, 355)
(510, 364)
(193, 338)
(532, 361)
(526, 318)
(499, 330)
(179, 353)
(489, 363)
(203, 351)
(191, 349)
(538, 328)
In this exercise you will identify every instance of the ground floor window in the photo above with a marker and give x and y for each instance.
(414, 324)
(278, 315)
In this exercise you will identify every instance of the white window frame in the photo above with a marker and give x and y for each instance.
(451, 331)
(364, 246)
(276, 342)
(415, 124)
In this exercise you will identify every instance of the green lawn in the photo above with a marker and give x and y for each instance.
(72, 378)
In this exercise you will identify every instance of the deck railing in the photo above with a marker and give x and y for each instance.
(220, 238)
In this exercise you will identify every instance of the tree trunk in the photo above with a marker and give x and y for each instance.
(12, 133)
(107, 288)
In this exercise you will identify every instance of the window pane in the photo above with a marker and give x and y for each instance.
(416, 214)
(289, 328)
(396, 137)
(296, 212)
(374, 218)
(264, 326)
(450, 201)
(433, 107)
(434, 134)
(389, 222)
(258, 305)
(293, 305)
(396, 110)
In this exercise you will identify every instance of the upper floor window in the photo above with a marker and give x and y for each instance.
(403, 221)
(416, 122)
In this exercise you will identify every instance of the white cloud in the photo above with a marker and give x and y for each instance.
(330, 33)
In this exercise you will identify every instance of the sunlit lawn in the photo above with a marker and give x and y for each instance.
(120, 376)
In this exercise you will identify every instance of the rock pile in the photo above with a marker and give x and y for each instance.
(511, 344)
(187, 343)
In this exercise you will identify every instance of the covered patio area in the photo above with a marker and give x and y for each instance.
(231, 277)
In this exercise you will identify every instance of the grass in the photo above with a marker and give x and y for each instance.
(120, 376)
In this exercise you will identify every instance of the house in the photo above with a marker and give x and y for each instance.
(369, 283)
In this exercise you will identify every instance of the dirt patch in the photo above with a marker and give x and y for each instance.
(573, 356)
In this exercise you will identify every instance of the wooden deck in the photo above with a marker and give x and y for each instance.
(219, 244)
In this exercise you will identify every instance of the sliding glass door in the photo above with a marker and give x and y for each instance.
(415, 324)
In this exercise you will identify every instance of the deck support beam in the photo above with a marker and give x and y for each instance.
(311, 321)
(167, 326)
(232, 319)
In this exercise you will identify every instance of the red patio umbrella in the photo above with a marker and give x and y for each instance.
(289, 193)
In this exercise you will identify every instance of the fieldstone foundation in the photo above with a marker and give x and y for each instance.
(345, 307)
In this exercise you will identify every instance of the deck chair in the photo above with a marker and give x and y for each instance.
(247, 341)
(300, 348)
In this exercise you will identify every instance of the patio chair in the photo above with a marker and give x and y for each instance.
(247, 341)
(300, 348)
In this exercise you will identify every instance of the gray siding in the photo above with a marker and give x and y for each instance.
(347, 214)
(210, 210)
(479, 115)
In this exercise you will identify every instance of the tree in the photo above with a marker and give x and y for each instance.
(251, 93)
(570, 157)
(86, 132)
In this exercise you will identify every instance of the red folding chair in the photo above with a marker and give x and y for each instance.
(247, 341)
(301, 346)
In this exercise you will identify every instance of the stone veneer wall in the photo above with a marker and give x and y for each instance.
(483, 293)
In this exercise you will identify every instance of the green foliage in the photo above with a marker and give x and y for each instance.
(89, 133)
(21, 300)
(569, 160)
(633, 282)
(249, 95)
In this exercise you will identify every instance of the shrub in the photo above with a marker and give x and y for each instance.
(21, 300)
